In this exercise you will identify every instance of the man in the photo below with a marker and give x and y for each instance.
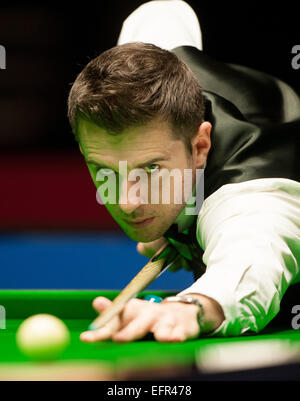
(140, 103)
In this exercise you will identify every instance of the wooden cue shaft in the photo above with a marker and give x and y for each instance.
(145, 277)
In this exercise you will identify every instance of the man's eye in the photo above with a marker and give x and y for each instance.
(152, 168)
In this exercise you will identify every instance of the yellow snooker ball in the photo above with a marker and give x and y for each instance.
(42, 337)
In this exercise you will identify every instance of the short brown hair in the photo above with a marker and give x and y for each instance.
(131, 84)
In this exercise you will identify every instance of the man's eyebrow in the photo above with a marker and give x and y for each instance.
(100, 165)
(152, 161)
(140, 165)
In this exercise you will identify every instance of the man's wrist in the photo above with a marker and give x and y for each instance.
(212, 312)
(191, 300)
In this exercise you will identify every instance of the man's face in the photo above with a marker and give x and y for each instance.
(152, 148)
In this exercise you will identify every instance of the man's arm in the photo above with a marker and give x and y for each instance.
(251, 235)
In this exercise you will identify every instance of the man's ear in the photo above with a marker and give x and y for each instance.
(80, 149)
(201, 144)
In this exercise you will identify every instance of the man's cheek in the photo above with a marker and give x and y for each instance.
(107, 189)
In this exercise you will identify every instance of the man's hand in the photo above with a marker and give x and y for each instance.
(148, 249)
(168, 321)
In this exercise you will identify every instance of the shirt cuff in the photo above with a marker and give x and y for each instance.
(230, 325)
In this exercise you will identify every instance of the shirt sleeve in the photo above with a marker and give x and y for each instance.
(250, 233)
(167, 24)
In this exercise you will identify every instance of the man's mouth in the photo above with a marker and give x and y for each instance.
(140, 222)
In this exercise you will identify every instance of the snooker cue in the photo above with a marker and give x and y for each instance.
(162, 260)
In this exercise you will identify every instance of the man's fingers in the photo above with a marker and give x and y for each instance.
(163, 331)
(106, 332)
(101, 303)
(148, 249)
(167, 332)
(178, 334)
(135, 330)
(135, 326)
(102, 334)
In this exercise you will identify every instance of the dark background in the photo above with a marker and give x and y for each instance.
(47, 46)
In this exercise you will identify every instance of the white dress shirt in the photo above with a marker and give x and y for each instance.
(167, 24)
(251, 236)
(250, 231)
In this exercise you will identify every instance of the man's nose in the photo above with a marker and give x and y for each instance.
(129, 200)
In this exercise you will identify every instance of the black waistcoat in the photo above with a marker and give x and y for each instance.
(255, 124)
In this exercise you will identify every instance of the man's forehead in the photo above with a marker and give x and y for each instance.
(153, 137)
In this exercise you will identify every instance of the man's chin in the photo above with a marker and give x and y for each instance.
(143, 238)
(142, 235)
